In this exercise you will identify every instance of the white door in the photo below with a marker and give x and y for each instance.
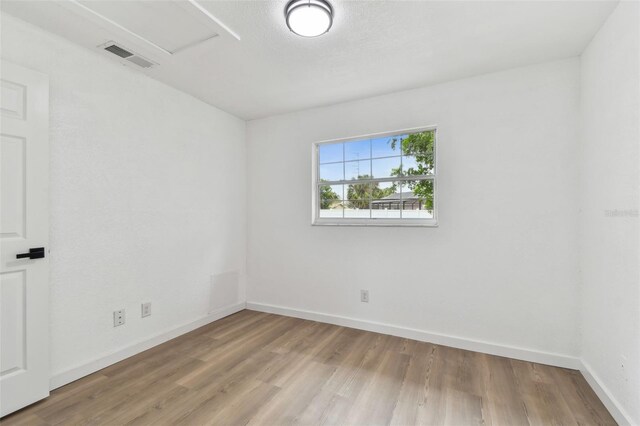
(24, 226)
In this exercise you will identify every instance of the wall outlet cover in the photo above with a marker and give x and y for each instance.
(145, 309)
(118, 317)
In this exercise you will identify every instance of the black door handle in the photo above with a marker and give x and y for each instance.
(34, 253)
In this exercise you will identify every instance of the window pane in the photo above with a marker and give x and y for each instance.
(329, 194)
(357, 150)
(409, 166)
(386, 167)
(416, 166)
(357, 209)
(385, 147)
(417, 200)
(387, 188)
(330, 152)
(329, 172)
(358, 199)
(359, 195)
(386, 201)
(334, 210)
(357, 170)
(384, 213)
(418, 151)
(416, 210)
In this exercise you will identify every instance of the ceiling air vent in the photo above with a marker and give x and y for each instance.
(140, 61)
(127, 55)
(117, 50)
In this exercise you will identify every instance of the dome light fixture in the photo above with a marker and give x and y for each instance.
(309, 18)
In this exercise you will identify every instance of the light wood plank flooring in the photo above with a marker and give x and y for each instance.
(262, 369)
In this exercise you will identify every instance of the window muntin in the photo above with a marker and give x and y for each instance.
(385, 179)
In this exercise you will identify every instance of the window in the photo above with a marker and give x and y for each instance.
(385, 179)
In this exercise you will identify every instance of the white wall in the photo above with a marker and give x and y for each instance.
(146, 188)
(610, 177)
(501, 267)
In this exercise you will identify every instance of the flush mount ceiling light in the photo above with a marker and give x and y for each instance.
(309, 18)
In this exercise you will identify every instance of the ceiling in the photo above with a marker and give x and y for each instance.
(374, 47)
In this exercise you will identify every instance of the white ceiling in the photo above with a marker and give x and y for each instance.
(374, 47)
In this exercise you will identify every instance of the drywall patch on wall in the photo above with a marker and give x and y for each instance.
(225, 290)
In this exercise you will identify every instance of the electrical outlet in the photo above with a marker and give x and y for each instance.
(146, 310)
(364, 296)
(118, 317)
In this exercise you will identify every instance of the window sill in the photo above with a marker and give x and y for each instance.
(426, 223)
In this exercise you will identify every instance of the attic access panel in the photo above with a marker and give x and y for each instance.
(171, 25)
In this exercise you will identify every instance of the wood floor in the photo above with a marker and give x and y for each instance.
(263, 369)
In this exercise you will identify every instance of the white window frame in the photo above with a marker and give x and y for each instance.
(328, 221)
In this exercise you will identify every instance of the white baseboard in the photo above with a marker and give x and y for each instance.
(557, 360)
(68, 376)
(615, 408)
